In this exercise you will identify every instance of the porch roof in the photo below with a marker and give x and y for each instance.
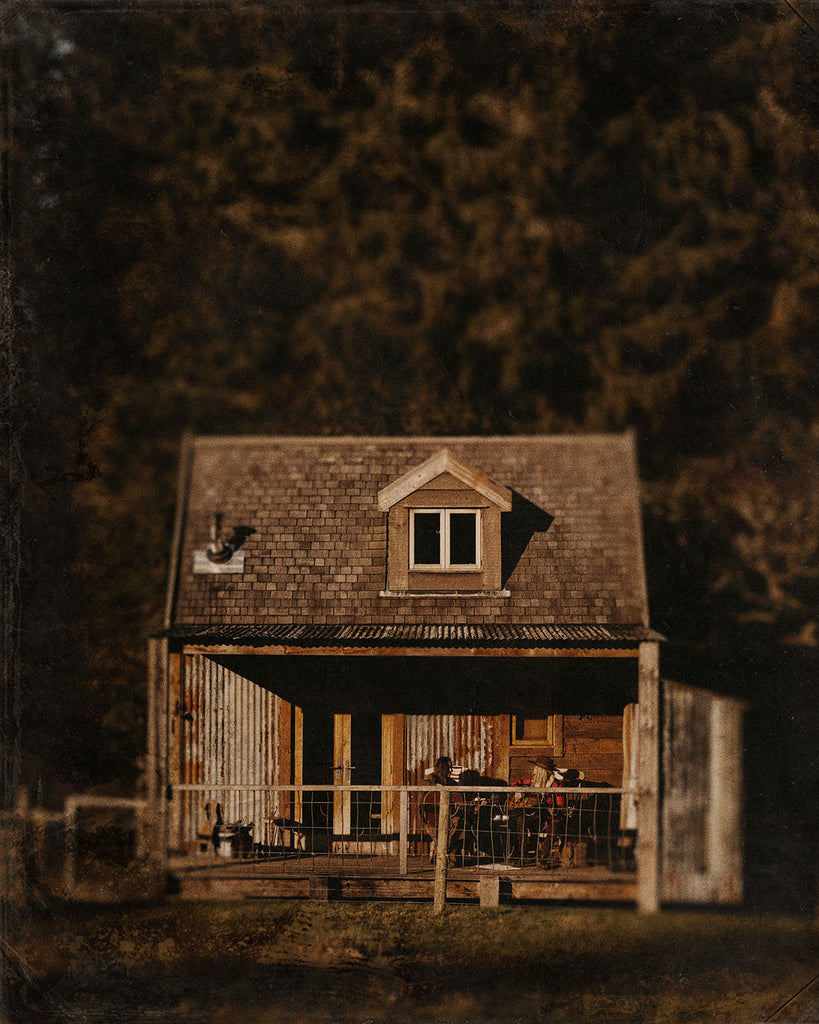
(444, 635)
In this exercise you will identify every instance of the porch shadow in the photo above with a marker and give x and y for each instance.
(517, 529)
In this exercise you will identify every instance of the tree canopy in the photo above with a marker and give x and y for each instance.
(518, 219)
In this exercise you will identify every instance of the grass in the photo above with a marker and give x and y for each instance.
(306, 962)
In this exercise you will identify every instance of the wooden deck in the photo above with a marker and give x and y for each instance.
(377, 878)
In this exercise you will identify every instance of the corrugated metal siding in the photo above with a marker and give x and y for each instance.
(468, 739)
(231, 737)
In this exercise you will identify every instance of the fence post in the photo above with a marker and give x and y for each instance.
(70, 863)
(441, 852)
(403, 832)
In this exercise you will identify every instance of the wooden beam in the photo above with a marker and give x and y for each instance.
(215, 650)
(500, 767)
(342, 803)
(392, 771)
(173, 722)
(283, 765)
(403, 837)
(648, 807)
(298, 760)
(157, 753)
(209, 887)
(609, 892)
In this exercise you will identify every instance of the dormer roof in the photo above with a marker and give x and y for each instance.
(444, 461)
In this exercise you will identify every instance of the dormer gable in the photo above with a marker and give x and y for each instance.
(444, 528)
(442, 462)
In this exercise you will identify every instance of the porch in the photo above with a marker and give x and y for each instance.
(380, 842)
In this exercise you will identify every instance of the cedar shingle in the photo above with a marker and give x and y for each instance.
(318, 553)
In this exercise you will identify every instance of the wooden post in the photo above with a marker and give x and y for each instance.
(342, 802)
(403, 832)
(173, 672)
(298, 762)
(500, 758)
(70, 860)
(441, 851)
(283, 762)
(392, 774)
(157, 781)
(649, 875)
(489, 891)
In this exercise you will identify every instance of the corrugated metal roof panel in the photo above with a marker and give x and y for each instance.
(485, 635)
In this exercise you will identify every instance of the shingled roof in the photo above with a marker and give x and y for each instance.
(313, 542)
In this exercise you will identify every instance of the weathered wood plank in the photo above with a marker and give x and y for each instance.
(243, 888)
(594, 745)
(442, 850)
(725, 821)
(342, 804)
(403, 888)
(598, 891)
(214, 650)
(648, 808)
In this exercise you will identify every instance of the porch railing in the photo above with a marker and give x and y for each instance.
(393, 829)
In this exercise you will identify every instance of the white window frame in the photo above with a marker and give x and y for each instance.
(445, 565)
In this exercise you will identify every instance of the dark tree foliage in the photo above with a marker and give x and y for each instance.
(569, 217)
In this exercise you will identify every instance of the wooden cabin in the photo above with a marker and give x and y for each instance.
(343, 611)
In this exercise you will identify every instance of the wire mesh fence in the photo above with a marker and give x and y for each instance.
(347, 828)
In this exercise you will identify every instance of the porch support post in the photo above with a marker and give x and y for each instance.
(173, 671)
(649, 874)
(403, 832)
(156, 768)
(342, 799)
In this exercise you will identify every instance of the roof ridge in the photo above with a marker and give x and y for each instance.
(442, 439)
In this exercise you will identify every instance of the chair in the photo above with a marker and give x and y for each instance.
(429, 809)
(210, 824)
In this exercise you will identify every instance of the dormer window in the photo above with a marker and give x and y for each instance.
(444, 528)
(445, 538)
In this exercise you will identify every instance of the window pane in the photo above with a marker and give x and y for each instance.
(462, 544)
(427, 544)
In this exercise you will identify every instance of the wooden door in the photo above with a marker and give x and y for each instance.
(367, 751)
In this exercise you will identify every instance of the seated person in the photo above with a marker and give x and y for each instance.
(534, 815)
(430, 803)
(483, 827)
(442, 776)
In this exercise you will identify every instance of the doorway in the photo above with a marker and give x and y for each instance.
(357, 740)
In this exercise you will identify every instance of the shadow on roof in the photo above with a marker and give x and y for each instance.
(517, 529)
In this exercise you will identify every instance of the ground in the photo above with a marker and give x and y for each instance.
(316, 963)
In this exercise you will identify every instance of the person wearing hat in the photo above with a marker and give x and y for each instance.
(532, 814)
(544, 774)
